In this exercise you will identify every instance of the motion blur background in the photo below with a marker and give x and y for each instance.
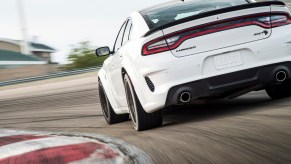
(61, 34)
(57, 29)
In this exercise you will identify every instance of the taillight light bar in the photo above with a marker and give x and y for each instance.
(173, 40)
(280, 19)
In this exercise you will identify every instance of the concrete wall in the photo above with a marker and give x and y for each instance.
(27, 71)
(9, 47)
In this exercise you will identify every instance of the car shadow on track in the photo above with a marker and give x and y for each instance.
(216, 109)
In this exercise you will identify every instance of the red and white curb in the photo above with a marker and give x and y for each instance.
(18, 147)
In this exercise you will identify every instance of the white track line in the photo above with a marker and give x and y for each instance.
(7, 133)
(92, 159)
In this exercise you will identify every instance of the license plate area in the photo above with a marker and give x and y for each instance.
(228, 60)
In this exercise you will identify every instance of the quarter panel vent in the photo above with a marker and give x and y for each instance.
(150, 84)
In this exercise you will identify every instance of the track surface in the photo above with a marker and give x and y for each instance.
(250, 129)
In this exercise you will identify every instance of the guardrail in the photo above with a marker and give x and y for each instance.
(48, 76)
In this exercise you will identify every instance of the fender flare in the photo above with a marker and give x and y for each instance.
(106, 87)
(133, 75)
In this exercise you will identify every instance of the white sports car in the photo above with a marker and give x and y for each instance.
(192, 50)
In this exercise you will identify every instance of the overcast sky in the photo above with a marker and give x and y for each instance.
(61, 23)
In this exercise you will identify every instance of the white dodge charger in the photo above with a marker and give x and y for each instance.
(193, 50)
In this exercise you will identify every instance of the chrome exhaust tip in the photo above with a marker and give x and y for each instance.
(185, 97)
(281, 76)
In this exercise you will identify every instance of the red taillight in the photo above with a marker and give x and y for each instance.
(160, 45)
(173, 40)
(155, 46)
(276, 19)
(280, 19)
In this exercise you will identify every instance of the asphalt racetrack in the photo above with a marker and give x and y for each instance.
(249, 129)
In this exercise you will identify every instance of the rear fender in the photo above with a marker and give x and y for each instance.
(135, 79)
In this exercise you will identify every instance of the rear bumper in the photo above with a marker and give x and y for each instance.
(167, 71)
(224, 83)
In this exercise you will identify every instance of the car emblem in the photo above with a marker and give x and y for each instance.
(185, 49)
(260, 33)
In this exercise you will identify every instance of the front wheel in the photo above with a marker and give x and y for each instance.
(110, 116)
(140, 118)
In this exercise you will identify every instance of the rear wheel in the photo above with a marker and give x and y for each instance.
(280, 91)
(110, 116)
(140, 118)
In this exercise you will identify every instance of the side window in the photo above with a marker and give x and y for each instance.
(118, 40)
(127, 32)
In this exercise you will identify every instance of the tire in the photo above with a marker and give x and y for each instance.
(279, 91)
(110, 116)
(140, 118)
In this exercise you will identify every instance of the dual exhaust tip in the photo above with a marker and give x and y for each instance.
(185, 96)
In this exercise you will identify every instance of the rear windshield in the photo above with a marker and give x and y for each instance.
(172, 11)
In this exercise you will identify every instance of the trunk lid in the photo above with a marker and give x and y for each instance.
(211, 30)
(219, 31)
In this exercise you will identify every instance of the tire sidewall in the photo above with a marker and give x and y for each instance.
(127, 81)
(102, 93)
(280, 91)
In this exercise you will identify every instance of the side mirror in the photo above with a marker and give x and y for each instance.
(102, 51)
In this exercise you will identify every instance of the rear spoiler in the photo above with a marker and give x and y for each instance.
(215, 12)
